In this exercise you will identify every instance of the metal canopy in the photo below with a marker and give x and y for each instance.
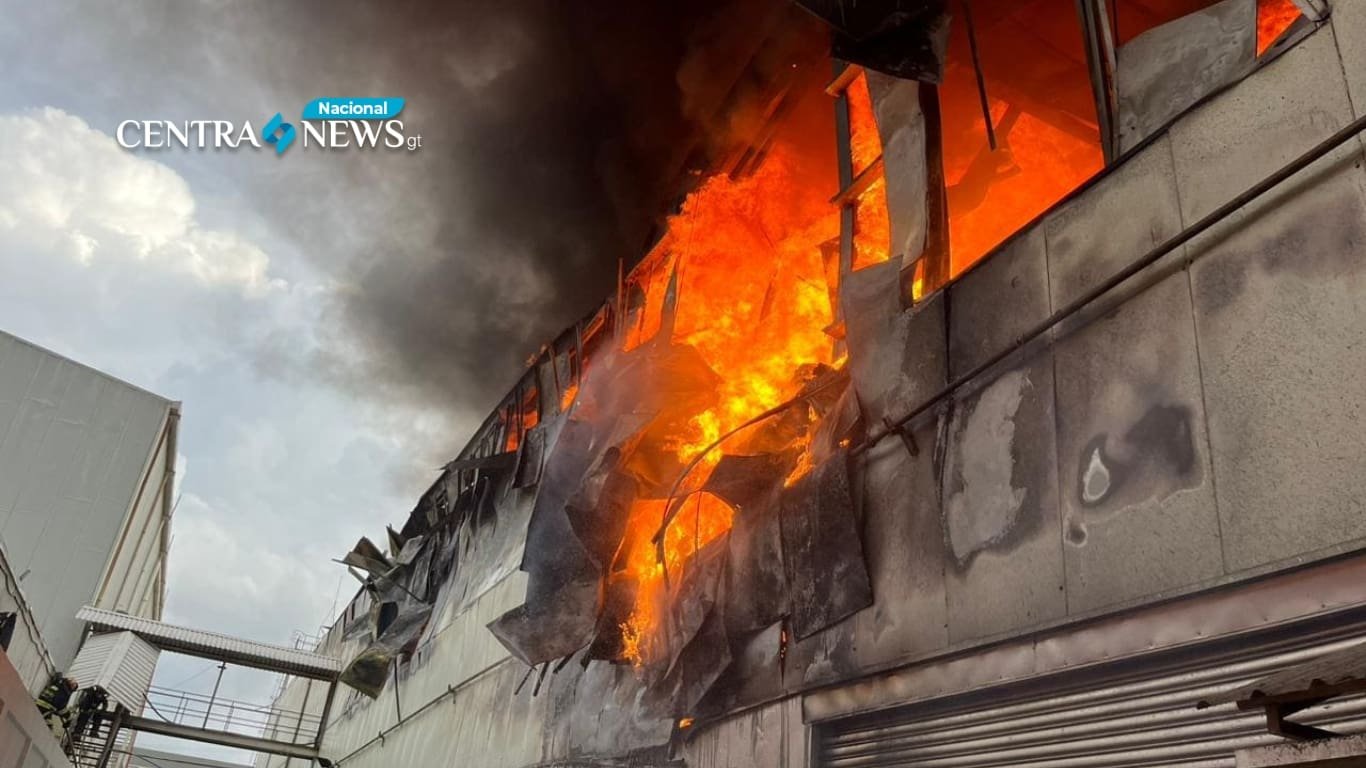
(211, 645)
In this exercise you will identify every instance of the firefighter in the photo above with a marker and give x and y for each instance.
(88, 711)
(54, 703)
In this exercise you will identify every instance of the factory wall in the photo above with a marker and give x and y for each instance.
(27, 651)
(85, 464)
(1195, 433)
(1197, 429)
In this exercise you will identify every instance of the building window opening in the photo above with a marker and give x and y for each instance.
(872, 228)
(1042, 109)
(1131, 18)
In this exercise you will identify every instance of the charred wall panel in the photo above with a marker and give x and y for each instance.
(902, 360)
(963, 525)
(1166, 70)
(901, 123)
(1137, 496)
(1003, 562)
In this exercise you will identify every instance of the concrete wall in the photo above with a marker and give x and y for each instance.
(1201, 432)
(25, 740)
(76, 446)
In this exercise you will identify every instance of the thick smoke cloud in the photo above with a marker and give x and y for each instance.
(554, 138)
(556, 135)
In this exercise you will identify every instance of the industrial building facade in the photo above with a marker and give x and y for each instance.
(87, 466)
(1080, 479)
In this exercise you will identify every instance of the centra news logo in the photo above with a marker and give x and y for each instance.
(327, 123)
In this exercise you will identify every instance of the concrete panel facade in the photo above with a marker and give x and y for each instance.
(1000, 514)
(1281, 307)
(1349, 29)
(1137, 495)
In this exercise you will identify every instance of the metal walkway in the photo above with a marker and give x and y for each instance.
(135, 705)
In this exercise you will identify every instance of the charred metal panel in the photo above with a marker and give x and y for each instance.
(1133, 462)
(905, 551)
(900, 358)
(901, 124)
(1166, 70)
(906, 38)
(1003, 561)
(895, 355)
(530, 458)
(554, 555)
(997, 301)
(826, 574)
(755, 674)
(551, 628)
(755, 576)
(596, 712)
(470, 560)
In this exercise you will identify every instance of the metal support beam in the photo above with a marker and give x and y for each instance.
(119, 714)
(327, 712)
(221, 738)
(1100, 59)
(1278, 725)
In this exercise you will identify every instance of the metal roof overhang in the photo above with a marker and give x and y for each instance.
(211, 645)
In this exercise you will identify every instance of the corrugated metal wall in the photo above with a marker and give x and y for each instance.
(1138, 713)
(120, 662)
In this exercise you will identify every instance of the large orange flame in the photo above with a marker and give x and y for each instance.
(744, 259)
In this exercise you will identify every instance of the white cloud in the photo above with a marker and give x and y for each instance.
(70, 190)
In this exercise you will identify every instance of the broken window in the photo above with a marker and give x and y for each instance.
(1018, 118)
(1158, 58)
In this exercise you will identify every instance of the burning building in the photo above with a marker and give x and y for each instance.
(987, 400)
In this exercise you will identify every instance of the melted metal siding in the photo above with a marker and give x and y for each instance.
(1137, 713)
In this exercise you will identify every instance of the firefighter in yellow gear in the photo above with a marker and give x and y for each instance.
(55, 704)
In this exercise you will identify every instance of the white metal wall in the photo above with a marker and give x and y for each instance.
(27, 652)
(75, 448)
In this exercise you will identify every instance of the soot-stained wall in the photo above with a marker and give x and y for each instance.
(1201, 431)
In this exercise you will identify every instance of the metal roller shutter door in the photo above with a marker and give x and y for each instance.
(1139, 712)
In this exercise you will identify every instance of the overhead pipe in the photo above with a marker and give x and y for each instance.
(1321, 149)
